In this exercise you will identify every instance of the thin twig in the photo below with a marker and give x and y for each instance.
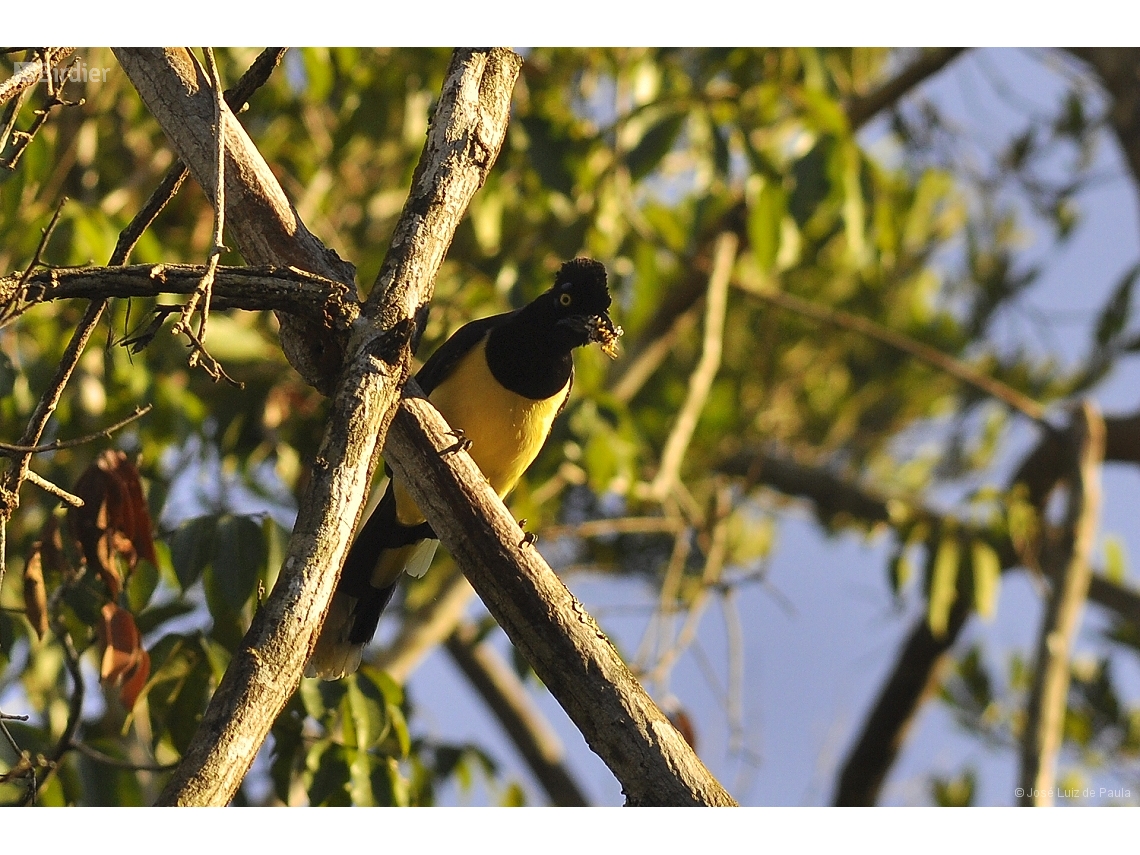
(710, 576)
(74, 711)
(11, 308)
(701, 380)
(114, 762)
(105, 433)
(204, 291)
(57, 491)
(944, 362)
(23, 138)
(32, 73)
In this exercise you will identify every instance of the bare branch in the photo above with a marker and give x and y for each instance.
(205, 288)
(33, 72)
(266, 228)
(944, 362)
(862, 108)
(545, 622)
(105, 433)
(254, 78)
(463, 141)
(1048, 697)
(319, 300)
(701, 380)
(55, 490)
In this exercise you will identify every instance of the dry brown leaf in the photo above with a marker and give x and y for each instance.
(35, 593)
(135, 680)
(121, 639)
(125, 661)
(114, 521)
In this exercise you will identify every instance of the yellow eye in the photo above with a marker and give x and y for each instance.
(565, 299)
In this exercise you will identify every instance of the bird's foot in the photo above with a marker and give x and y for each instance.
(529, 539)
(462, 443)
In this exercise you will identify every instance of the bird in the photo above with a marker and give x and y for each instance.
(499, 382)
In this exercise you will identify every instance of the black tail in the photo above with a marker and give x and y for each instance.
(371, 572)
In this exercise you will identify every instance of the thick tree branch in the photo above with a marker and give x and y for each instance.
(1118, 68)
(862, 108)
(33, 72)
(310, 297)
(544, 621)
(520, 717)
(1070, 575)
(264, 673)
(259, 216)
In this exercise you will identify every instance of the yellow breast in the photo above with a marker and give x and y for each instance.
(506, 430)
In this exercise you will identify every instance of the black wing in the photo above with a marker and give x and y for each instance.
(441, 363)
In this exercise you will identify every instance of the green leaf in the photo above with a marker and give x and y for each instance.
(7, 375)
(328, 783)
(156, 616)
(812, 180)
(239, 559)
(766, 209)
(1115, 559)
(1114, 316)
(192, 547)
(986, 569)
(943, 584)
(899, 571)
(368, 709)
(141, 585)
(654, 144)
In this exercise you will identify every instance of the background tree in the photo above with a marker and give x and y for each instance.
(809, 315)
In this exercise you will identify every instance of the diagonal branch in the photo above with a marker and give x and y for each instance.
(548, 625)
(262, 221)
(862, 108)
(264, 673)
(1070, 574)
(932, 356)
(701, 380)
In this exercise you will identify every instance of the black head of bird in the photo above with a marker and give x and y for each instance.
(574, 312)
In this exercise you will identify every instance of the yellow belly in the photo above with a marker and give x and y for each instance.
(506, 430)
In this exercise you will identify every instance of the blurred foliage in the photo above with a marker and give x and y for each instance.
(638, 157)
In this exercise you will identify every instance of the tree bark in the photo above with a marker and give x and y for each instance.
(264, 673)
(258, 215)
(568, 651)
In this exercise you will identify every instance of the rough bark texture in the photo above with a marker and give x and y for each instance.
(324, 302)
(1070, 576)
(264, 673)
(258, 215)
(568, 651)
